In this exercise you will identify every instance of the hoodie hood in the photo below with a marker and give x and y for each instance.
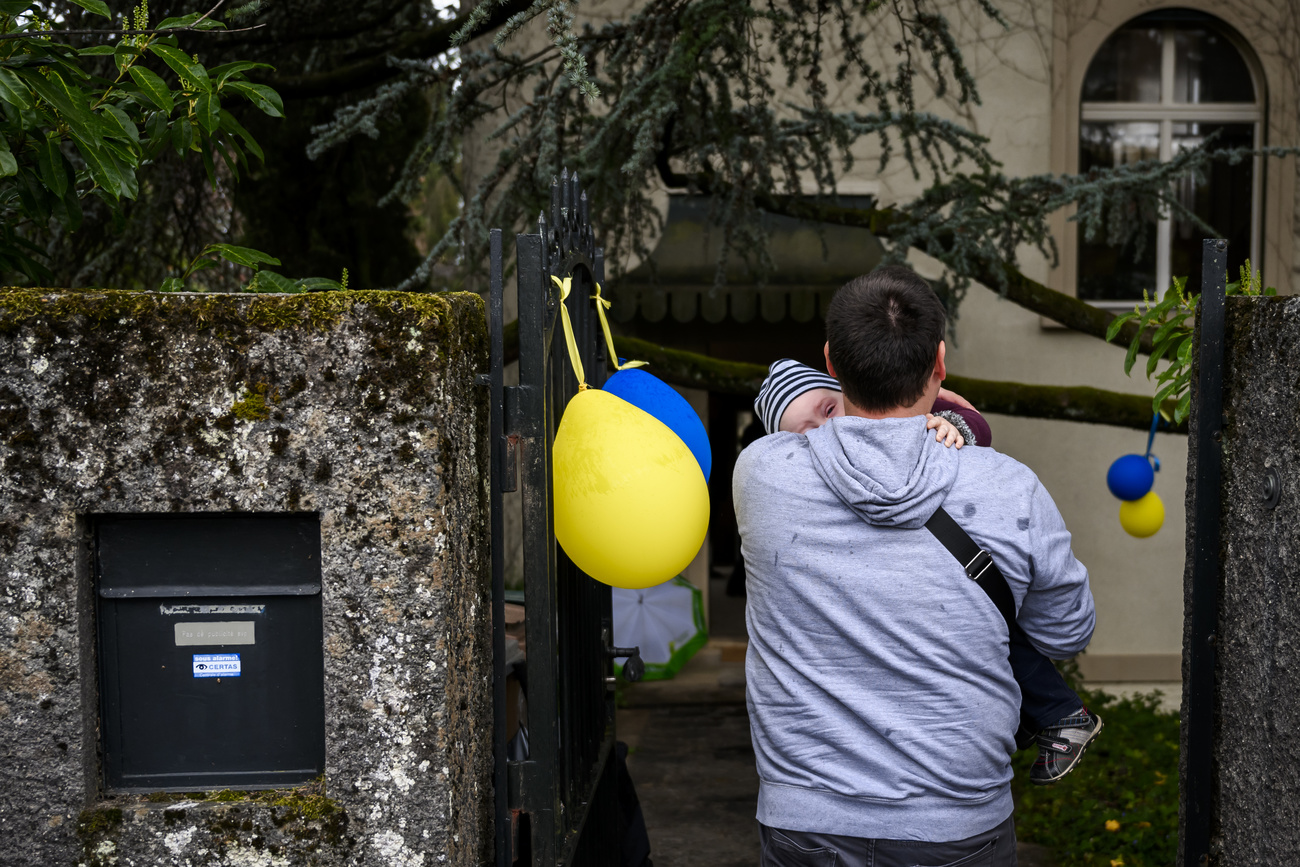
(891, 472)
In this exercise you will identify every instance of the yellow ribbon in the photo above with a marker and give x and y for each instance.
(601, 306)
(566, 286)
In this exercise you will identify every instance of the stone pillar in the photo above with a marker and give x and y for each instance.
(360, 407)
(1256, 812)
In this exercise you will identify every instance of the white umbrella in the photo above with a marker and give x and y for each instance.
(666, 621)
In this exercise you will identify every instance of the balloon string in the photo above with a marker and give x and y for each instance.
(566, 286)
(601, 306)
(1151, 439)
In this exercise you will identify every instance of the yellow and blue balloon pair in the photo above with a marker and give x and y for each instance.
(1131, 478)
(631, 466)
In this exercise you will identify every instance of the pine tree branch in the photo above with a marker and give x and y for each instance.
(1030, 294)
(1064, 403)
(435, 40)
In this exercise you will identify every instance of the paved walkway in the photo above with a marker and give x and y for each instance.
(694, 772)
(692, 762)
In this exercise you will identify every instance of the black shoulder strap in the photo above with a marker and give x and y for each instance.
(978, 563)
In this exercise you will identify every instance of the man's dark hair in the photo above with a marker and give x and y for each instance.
(884, 330)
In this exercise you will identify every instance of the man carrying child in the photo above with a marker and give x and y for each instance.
(882, 703)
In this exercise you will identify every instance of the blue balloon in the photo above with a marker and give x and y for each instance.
(1130, 477)
(650, 394)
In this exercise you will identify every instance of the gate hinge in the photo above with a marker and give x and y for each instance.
(518, 777)
(509, 475)
(511, 411)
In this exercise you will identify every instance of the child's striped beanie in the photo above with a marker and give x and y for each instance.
(786, 380)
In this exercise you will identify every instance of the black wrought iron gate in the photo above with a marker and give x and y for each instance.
(563, 795)
(1198, 786)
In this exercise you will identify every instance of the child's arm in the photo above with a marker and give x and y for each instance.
(959, 411)
(945, 430)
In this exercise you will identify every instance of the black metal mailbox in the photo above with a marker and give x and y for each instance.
(211, 660)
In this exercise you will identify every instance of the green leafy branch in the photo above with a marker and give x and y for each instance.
(1169, 323)
(263, 281)
(68, 132)
(211, 256)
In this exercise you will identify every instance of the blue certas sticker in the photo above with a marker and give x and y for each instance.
(216, 665)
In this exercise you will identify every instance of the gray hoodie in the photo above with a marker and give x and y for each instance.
(881, 700)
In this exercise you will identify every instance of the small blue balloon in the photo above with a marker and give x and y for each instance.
(1130, 477)
(650, 394)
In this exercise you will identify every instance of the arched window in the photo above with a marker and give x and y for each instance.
(1161, 83)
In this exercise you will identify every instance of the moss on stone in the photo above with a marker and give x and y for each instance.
(97, 822)
(308, 807)
(253, 406)
(97, 829)
(316, 310)
(227, 795)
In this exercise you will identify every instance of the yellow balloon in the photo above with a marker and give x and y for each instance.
(631, 505)
(1142, 517)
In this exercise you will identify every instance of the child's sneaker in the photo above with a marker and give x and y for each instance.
(1061, 745)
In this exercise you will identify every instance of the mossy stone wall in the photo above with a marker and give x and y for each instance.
(362, 407)
(1257, 706)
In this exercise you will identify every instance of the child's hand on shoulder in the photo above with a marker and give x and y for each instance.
(944, 430)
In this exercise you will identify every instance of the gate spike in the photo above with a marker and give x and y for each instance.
(575, 195)
(584, 212)
(555, 200)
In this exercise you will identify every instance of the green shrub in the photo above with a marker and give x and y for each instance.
(1119, 807)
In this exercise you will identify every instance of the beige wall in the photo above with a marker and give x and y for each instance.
(1137, 583)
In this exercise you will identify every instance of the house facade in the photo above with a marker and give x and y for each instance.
(1065, 86)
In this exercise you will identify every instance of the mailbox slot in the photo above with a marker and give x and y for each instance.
(211, 663)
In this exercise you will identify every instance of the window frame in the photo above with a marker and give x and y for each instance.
(1078, 32)
(1168, 112)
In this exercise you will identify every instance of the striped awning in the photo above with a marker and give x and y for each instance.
(811, 262)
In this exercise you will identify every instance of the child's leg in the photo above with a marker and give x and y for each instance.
(1045, 697)
(1051, 714)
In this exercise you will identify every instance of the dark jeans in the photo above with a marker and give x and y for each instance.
(993, 848)
(1044, 696)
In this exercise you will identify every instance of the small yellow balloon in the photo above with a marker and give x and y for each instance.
(1142, 518)
(631, 505)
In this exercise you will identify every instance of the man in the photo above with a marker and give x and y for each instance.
(882, 704)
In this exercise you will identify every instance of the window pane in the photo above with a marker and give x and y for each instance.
(1208, 68)
(1110, 272)
(1126, 68)
(1223, 200)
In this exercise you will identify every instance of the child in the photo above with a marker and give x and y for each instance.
(797, 398)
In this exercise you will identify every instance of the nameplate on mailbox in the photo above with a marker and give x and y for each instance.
(215, 632)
